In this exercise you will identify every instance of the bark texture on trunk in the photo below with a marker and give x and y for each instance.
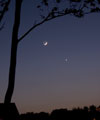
(13, 58)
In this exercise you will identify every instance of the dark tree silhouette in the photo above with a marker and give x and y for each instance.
(48, 11)
(3, 9)
(64, 114)
(13, 52)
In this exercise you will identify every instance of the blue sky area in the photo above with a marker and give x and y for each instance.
(44, 79)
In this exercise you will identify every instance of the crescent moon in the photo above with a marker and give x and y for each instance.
(45, 43)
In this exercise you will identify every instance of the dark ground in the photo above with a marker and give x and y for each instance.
(91, 113)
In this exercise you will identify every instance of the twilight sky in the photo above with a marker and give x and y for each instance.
(44, 79)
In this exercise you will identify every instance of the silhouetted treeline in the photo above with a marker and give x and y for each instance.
(91, 113)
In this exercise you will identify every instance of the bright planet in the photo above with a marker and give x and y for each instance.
(66, 60)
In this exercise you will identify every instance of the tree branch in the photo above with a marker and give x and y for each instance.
(34, 26)
(49, 17)
(54, 14)
(3, 12)
(4, 9)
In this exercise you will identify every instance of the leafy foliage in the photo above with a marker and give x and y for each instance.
(77, 8)
(50, 9)
(57, 8)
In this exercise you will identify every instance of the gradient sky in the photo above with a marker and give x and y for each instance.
(44, 80)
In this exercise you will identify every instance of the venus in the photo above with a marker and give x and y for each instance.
(66, 60)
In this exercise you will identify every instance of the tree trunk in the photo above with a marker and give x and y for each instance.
(12, 69)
